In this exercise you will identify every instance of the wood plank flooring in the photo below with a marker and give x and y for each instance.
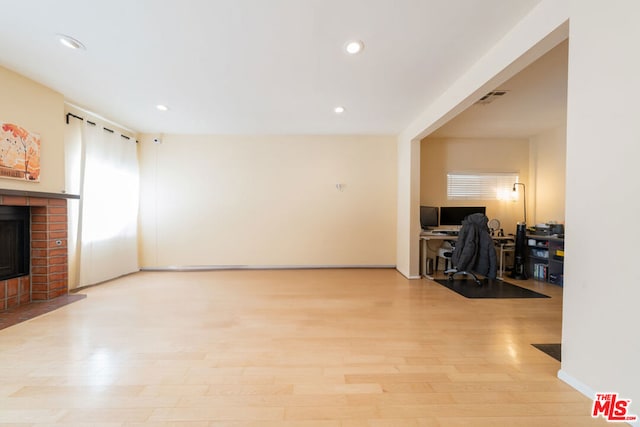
(309, 348)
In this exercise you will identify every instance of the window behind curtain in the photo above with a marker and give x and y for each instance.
(103, 168)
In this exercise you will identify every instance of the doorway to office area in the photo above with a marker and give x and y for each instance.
(517, 128)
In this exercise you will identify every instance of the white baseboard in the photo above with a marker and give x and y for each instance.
(261, 267)
(578, 385)
(585, 389)
(408, 276)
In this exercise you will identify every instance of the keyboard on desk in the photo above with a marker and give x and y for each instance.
(443, 232)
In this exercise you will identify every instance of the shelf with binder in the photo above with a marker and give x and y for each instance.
(556, 262)
(545, 258)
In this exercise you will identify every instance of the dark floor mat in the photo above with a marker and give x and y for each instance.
(489, 289)
(553, 350)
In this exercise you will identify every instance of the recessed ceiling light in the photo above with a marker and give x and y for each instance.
(339, 110)
(70, 42)
(162, 107)
(354, 47)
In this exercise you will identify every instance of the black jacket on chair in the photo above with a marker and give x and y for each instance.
(475, 250)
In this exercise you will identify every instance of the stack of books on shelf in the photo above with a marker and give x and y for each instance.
(540, 271)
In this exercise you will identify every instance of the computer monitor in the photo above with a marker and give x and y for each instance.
(453, 215)
(428, 217)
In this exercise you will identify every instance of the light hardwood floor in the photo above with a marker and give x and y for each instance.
(327, 348)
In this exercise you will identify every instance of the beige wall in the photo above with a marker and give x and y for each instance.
(267, 201)
(540, 162)
(547, 175)
(39, 110)
(408, 214)
(442, 155)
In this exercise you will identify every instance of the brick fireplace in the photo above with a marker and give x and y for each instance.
(49, 257)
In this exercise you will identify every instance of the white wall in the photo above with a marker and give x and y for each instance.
(548, 165)
(268, 201)
(600, 344)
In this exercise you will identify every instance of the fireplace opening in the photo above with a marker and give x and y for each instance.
(14, 241)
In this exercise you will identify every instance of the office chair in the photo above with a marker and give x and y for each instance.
(474, 251)
(445, 252)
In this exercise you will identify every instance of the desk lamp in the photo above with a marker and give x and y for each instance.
(519, 270)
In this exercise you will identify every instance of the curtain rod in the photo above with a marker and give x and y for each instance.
(99, 117)
(93, 124)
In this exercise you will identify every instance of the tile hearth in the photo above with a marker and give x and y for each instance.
(30, 310)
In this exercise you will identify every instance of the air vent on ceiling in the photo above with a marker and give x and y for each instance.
(491, 96)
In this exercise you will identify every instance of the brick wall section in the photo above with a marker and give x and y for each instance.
(49, 257)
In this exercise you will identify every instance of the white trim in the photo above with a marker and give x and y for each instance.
(584, 389)
(259, 267)
(578, 385)
(408, 276)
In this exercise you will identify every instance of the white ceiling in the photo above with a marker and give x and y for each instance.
(254, 66)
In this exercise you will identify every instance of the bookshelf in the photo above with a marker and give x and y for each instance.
(545, 258)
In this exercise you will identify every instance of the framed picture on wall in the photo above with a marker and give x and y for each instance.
(19, 153)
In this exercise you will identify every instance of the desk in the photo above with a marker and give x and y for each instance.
(505, 247)
(425, 237)
(503, 243)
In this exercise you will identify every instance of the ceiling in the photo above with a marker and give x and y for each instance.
(258, 66)
(535, 101)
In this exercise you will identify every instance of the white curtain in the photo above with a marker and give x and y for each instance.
(73, 162)
(107, 234)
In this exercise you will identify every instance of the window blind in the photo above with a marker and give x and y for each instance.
(480, 186)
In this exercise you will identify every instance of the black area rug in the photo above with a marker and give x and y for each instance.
(553, 350)
(490, 289)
